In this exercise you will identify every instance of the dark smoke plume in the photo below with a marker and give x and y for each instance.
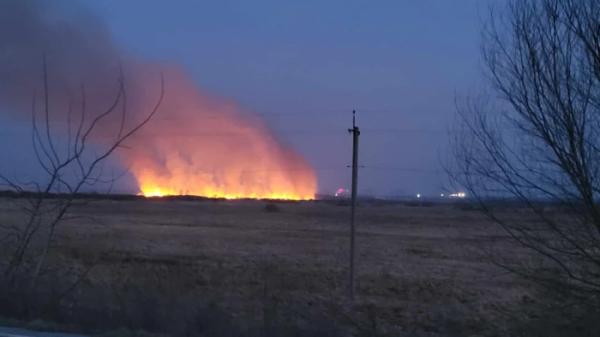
(198, 144)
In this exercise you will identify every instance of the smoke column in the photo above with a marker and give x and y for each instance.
(198, 144)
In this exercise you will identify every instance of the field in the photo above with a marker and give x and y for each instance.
(232, 268)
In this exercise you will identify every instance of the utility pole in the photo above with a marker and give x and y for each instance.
(355, 133)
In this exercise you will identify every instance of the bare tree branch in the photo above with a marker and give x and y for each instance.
(539, 144)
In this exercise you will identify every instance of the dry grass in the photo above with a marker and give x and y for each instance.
(239, 268)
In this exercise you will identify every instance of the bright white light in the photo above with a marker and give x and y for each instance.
(458, 195)
(418, 195)
(442, 195)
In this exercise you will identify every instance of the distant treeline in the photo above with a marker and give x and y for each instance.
(465, 204)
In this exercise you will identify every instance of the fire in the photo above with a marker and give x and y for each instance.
(196, 144)
(235, 180)
(208, 147)
(228, 182)
(152, 186)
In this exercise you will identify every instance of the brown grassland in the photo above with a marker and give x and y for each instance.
(254, 268)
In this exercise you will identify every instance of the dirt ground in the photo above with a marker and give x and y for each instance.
(422, 270)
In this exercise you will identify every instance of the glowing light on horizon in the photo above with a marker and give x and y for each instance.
(340, 191)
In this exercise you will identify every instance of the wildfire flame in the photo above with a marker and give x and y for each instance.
(195, 144)
(206, 147)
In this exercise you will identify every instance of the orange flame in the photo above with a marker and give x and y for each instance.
(202, 146)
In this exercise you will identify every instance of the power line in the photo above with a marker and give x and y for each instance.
(418, 130)
(405, 169)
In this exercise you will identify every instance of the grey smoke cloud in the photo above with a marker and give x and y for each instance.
(197, 143)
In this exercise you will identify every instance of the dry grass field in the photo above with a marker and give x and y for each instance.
(233, 268)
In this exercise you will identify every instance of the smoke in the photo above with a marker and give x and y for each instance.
(76, 44)
(197, 144)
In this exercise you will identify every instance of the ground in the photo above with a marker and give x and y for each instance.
(254, 267)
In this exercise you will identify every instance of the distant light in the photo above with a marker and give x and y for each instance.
(418, 195)
(458, 195)
(442, 195)
(340, 191)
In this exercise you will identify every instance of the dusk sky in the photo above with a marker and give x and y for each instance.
(305, 65)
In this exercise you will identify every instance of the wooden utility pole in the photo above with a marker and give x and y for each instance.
(355, 133)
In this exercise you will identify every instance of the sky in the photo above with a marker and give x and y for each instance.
(303, 66)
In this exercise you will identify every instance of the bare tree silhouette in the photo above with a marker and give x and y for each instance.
(68, 170)
(540, 142)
